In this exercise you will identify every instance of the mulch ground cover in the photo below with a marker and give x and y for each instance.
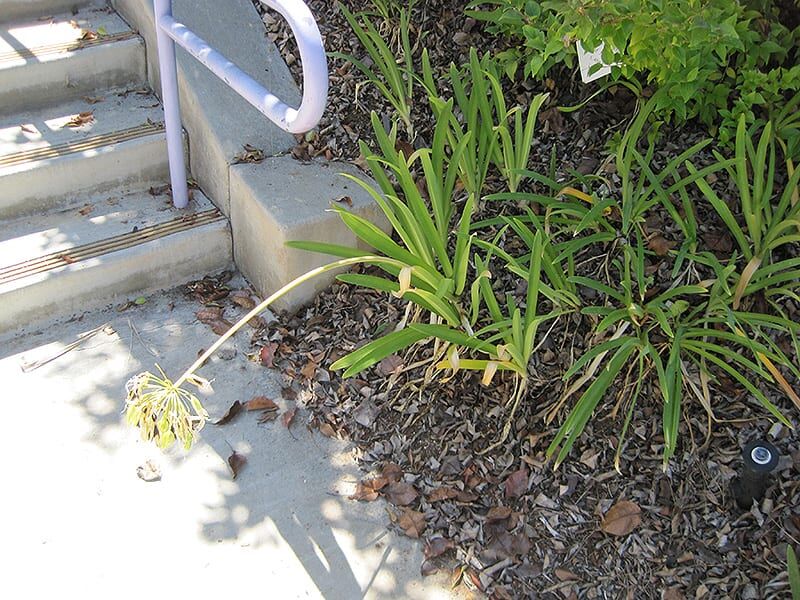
(503, 522)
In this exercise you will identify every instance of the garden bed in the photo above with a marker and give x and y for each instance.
(504, 521)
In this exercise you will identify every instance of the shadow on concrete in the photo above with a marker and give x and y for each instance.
(284, 526)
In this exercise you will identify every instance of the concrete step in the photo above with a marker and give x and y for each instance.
(13, 10)
(282, 200)
(43, 62)
(107, 249)
(81, 147)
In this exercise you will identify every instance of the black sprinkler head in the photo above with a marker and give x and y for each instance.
(759, 459)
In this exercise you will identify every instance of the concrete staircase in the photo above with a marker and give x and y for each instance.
(85, 215)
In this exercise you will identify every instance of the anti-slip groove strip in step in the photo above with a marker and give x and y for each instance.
(83, 145)
(69, 256)
(28, 53)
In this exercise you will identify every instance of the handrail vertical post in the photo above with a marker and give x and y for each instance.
(172, 110)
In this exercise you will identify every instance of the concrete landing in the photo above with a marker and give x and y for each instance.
(81, 523)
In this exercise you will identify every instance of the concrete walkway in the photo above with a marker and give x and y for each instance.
(78, 519)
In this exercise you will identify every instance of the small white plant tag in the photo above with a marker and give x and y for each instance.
(586, 60)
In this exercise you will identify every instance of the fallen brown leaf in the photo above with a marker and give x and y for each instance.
(347, 200)
(250, 154)
(288, 417)
(234, 410)
(466, 497)
(622, 518)
(80, 119)
(442, 493)
(260, 403)
(267, 416)
(400, 493)
(220, 326)
(660, 245)
(236, 462)
(392, 471)
(437, 546)
(149, 472)
(309, 370)
(412, 523)
(498, 513)
(327, 430)
(243, 299)
(389, 365)
(403, 146)
(517, 483)
(428, 567)
(367, 489)
(209, 315)
(267, 354)
(565, 575)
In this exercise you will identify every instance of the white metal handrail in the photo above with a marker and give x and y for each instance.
(295, 120)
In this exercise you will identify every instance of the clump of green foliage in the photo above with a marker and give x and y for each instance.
(715, 59)
(670, 338)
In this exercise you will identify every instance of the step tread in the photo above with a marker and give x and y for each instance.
(57, 37)
(31, 137)
(37, 244)
(13, 10)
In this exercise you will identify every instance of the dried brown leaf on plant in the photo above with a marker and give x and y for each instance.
(622, 518)
(80, 119)
(400, 493)
(234, 410)
(517, 483)
(236, 462)
(412, 523)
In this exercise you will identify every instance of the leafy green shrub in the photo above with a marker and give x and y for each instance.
(715, 59)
